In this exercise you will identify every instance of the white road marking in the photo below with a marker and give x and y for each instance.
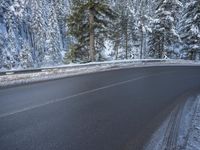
(76, 95)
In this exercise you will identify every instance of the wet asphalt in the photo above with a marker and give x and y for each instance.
(109, 110)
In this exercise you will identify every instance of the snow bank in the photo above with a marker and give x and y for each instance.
(62, 71)
(187, 133)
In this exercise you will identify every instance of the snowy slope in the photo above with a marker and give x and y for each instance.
(184, 121)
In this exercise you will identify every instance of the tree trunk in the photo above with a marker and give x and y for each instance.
(163, 46)
(159, 48)
(117, 46)
(142, 26)
(92, 38)
(142, 42)
(126, 36)
(145, 46)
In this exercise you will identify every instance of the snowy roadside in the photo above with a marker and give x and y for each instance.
(181, 130)
(74, 69)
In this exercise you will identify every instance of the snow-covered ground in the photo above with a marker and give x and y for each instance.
(181, 130)
(77, 69)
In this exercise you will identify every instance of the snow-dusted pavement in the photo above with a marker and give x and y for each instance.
(181, 130)
(74, 69)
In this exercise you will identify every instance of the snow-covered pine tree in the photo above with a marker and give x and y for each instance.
(132, 25)
(11, 42)
(89, 23)
(164, 34)
(116, 35)
(144, 16)
(29, 21)
(25, 56)
(53, 40)
(2, 41)
(38, 31)
(190, 29)
(19, 6)
(62, 9)
(122, 29)
(12, 53)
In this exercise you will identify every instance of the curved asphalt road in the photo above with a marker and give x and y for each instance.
(100, 111)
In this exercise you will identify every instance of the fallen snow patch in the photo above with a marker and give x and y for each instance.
(188, 131)
(76, 69)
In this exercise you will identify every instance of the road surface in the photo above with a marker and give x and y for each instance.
(112, 110)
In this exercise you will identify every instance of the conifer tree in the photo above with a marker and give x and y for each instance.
(25, 56)
(2, 41)
(164, 34)
(122, 28)
(88, 23)
(11, 40)
(190, 30)
(53, 39)
(12, 54)
(38, 34)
